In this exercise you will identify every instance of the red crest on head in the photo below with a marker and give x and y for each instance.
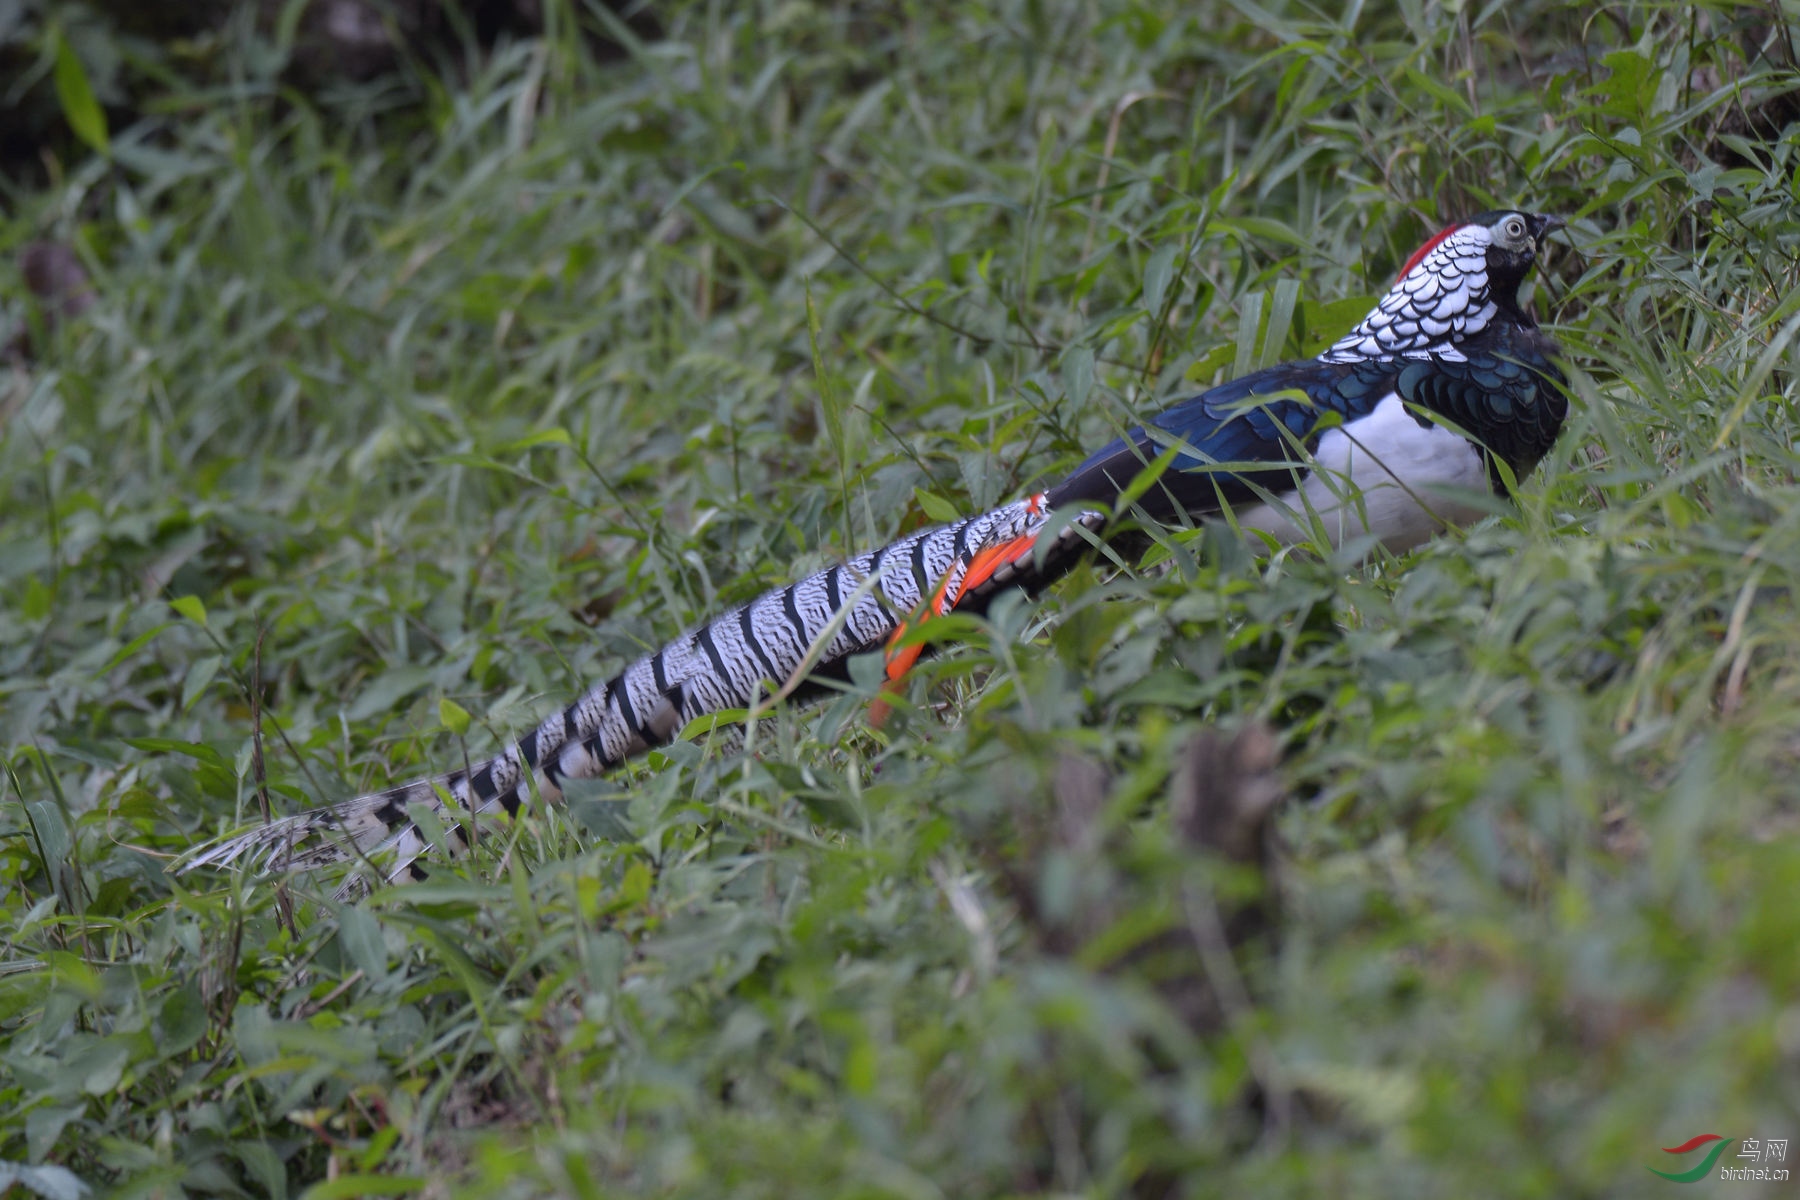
(1427, 248)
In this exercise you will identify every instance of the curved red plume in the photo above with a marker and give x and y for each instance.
(1427, 248)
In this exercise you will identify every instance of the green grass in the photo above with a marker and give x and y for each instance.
(474, 400)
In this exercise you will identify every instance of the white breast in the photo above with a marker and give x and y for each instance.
(1384, 474)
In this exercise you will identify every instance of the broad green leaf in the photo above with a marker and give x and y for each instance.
(1078, 374)
(454, 716)
(359, 933)
(1281, 317)
(862, 1068)
(1327, 321)
(76, 95)
(936, 507)
(634, 889)
(45, 1180)
(1207, 366)
(191, 607)
(1249, 326)
(200, 673)
(1157, 273)
(130, 648)
(193, 750)
(543, 437)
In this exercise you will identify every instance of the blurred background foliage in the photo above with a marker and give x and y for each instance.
(369, 362)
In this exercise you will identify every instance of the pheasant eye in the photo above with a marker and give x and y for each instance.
(1515, 228)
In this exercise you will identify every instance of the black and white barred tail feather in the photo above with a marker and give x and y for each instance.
(729, 662)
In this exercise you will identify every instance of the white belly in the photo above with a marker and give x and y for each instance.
(1384, 474)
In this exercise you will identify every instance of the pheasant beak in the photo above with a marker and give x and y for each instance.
(1542, 225)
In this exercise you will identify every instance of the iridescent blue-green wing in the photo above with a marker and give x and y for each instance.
(1234, 441)
(1508, 398)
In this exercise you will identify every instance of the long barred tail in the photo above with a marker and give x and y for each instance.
(724, 664)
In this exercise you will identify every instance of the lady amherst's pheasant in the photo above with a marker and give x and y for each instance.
(1387, 433)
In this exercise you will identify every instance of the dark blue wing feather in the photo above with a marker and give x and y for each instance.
(1509, 397)
(1504, 391)
(1260, 427)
